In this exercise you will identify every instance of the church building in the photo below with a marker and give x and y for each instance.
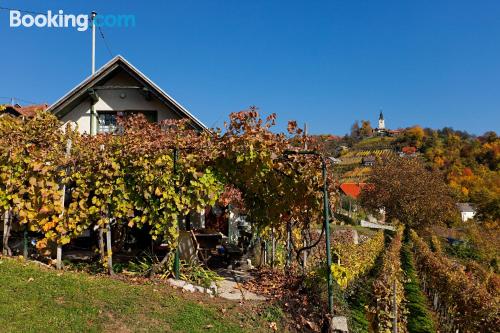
(381, 130)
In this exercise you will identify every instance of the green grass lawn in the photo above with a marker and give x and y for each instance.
(36, 299)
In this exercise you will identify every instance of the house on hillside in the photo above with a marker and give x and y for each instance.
(27, 111)
(117, 88)
(368, 160)
(352, 190)
(408, 151)
(467, 211)
(349, 194)
(120, 89)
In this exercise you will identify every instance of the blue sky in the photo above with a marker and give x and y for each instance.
(434, 63)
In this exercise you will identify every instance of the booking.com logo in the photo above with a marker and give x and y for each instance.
(61, 20)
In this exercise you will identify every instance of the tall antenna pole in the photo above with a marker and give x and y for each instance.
(92, 111)
(93, 15)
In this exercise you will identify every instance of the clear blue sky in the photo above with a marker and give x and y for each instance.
(429, 62)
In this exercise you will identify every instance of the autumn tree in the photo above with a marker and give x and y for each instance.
(366, 129)
(412, 136)
(409, 192)
(355, 130)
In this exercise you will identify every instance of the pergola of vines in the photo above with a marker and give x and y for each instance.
(60, 183)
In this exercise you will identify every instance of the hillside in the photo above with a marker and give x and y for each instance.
(35, 299)
(470, 164)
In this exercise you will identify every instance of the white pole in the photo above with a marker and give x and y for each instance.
(92, 22)
(59, 257)
(109, 250)
(93, 15)
(63, 198)
(6, 233)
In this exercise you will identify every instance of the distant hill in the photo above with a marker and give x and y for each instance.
(470, 164)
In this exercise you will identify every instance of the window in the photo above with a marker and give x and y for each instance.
(107, 122)
(108, 119)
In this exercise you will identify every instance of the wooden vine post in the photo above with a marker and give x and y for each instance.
(25, 242)
(264, 246)
(6, 251)
(273, 247)
(304, 254)
(288, 244)
(101, 243)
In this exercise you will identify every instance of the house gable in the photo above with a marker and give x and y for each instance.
(118, 87)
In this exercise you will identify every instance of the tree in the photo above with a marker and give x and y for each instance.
(355, 132)
(366, 129)
(409, 192)
(412, 136)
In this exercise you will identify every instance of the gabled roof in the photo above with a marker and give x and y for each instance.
(60, 107)
(27, 111)
(409, 150)
(465, 207)
(352, 189)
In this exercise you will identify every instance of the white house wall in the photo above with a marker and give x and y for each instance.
(80, 115)
(110, 100)
(468, 216)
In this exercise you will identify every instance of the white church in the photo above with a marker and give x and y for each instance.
(381, 130)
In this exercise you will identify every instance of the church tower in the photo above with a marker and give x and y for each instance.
(381, 123)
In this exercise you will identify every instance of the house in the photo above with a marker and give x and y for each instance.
(467, 211)
(368, 160)
(340, 149)
(27, 111)
(349, 193)
(335, 160)
(118, 88)
(408, 151)
(352, 190)
(395, 132)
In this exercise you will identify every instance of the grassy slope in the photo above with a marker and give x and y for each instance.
(34, 299)
(419, 317)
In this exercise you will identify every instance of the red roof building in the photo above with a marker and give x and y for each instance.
(352, 190)
(409, 150)
(27, 111)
